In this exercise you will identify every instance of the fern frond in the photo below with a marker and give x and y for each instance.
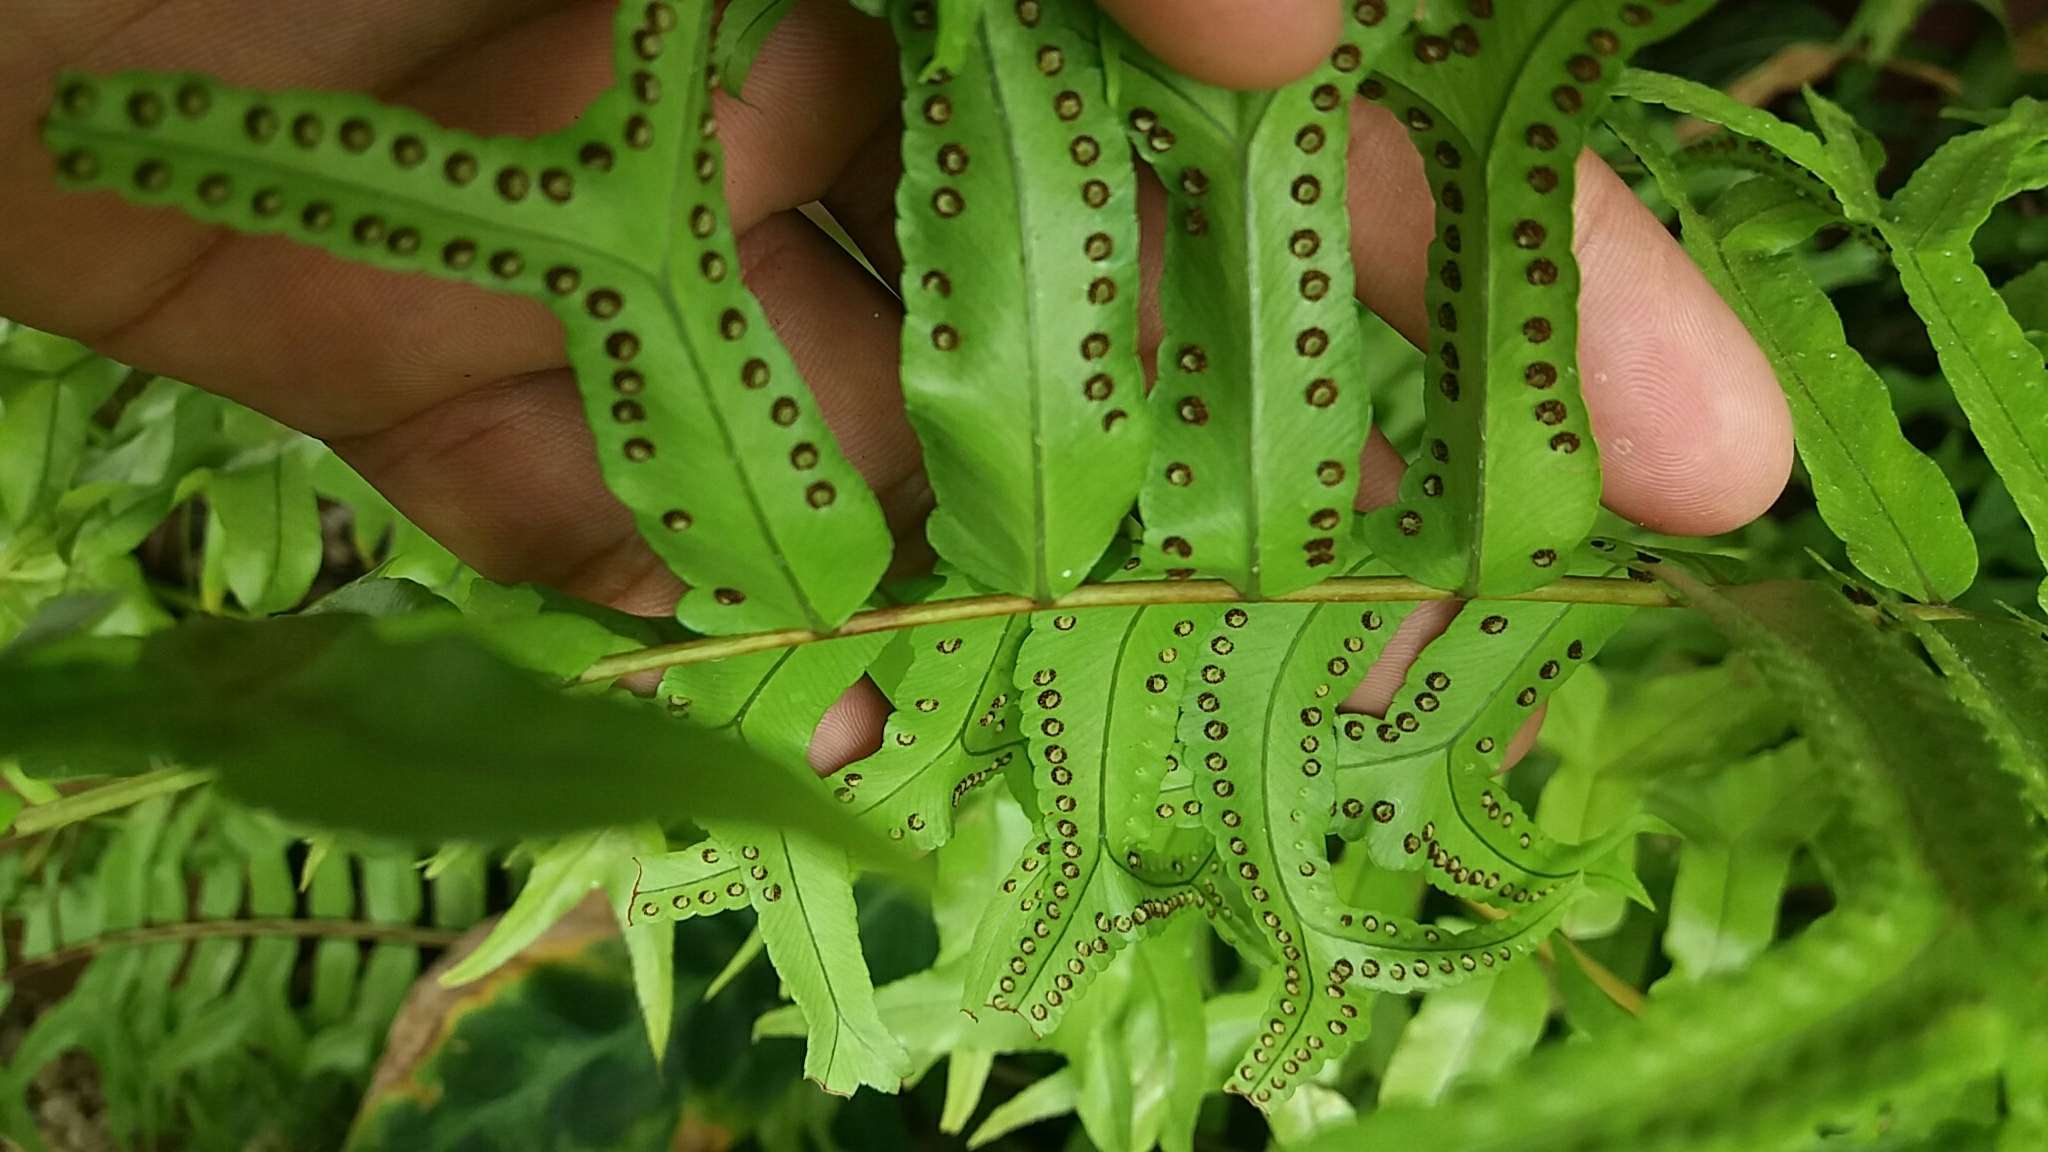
(1018, 220)
(1100, 692)
(1420, 786)
(1498, 106)
(1261, 400)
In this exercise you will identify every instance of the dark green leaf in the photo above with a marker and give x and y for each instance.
(327, 718)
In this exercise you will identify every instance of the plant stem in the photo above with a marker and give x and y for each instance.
(1343, 590)
(1625, 995)
(238, 929)
(122, 793)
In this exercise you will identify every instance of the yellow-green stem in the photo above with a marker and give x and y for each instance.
(1345, 590)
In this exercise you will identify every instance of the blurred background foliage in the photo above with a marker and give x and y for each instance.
(181, 973)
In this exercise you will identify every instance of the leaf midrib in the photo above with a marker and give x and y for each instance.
(1034, 400)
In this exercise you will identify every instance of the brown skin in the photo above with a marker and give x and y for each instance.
(459, 406)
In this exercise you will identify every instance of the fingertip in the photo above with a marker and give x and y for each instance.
(1243, 44)
(851, 729)
(1694, 432)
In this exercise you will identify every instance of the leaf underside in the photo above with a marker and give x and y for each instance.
(1261, 402)
(1017, 216)
(1498, 107)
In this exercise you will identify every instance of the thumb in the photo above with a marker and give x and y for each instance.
(1234, 43)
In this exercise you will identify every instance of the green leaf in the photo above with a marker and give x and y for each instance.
(1888, 502)
(1882, 24)
(954, 729)
(743, 27)
(1742, 823)
(702, 880)
(801, 890)
(967, 1072)
(1017, 215)
(1842, 1019)
(703, 428)
(1053, 1096)
(1805, 151)
(803, 894)
(269, 542)
(1996, 373)
(49, 389)
(1264, 749)
(1099, 691)
(326, 718)
(1467, 1033)
(564, 874)
(1261, 401)
(1921, 761)
(1421, 784)
(2026, 297)
(551, 1055)
(1999, 671)
(650, 947)
(1498, 109)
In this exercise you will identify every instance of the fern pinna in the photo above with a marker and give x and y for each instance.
(1154, 604)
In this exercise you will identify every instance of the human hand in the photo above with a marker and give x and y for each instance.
(459, 406)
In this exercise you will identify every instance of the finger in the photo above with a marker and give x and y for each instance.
(1234, 43)
(1694, 434)
(850, 730)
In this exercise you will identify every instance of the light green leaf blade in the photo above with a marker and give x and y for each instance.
(953, 730)
(1859, 994)
(1999, 670)
(1854, 194)
(1017, 215)
(270, 546)
(1887, 501)
(800, 889)
(564, 874)
(803, 894)
(49, 389)
(1265, 756)
(704, 429)
(701, 880)
(1261, 399)
(1509, 481)
(1054, 1096)
(1098, 691)
(1923, 762)
(967, 1072)
(1996, 372)
(1420, 785)
(1467, 1034)
(650, 945)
